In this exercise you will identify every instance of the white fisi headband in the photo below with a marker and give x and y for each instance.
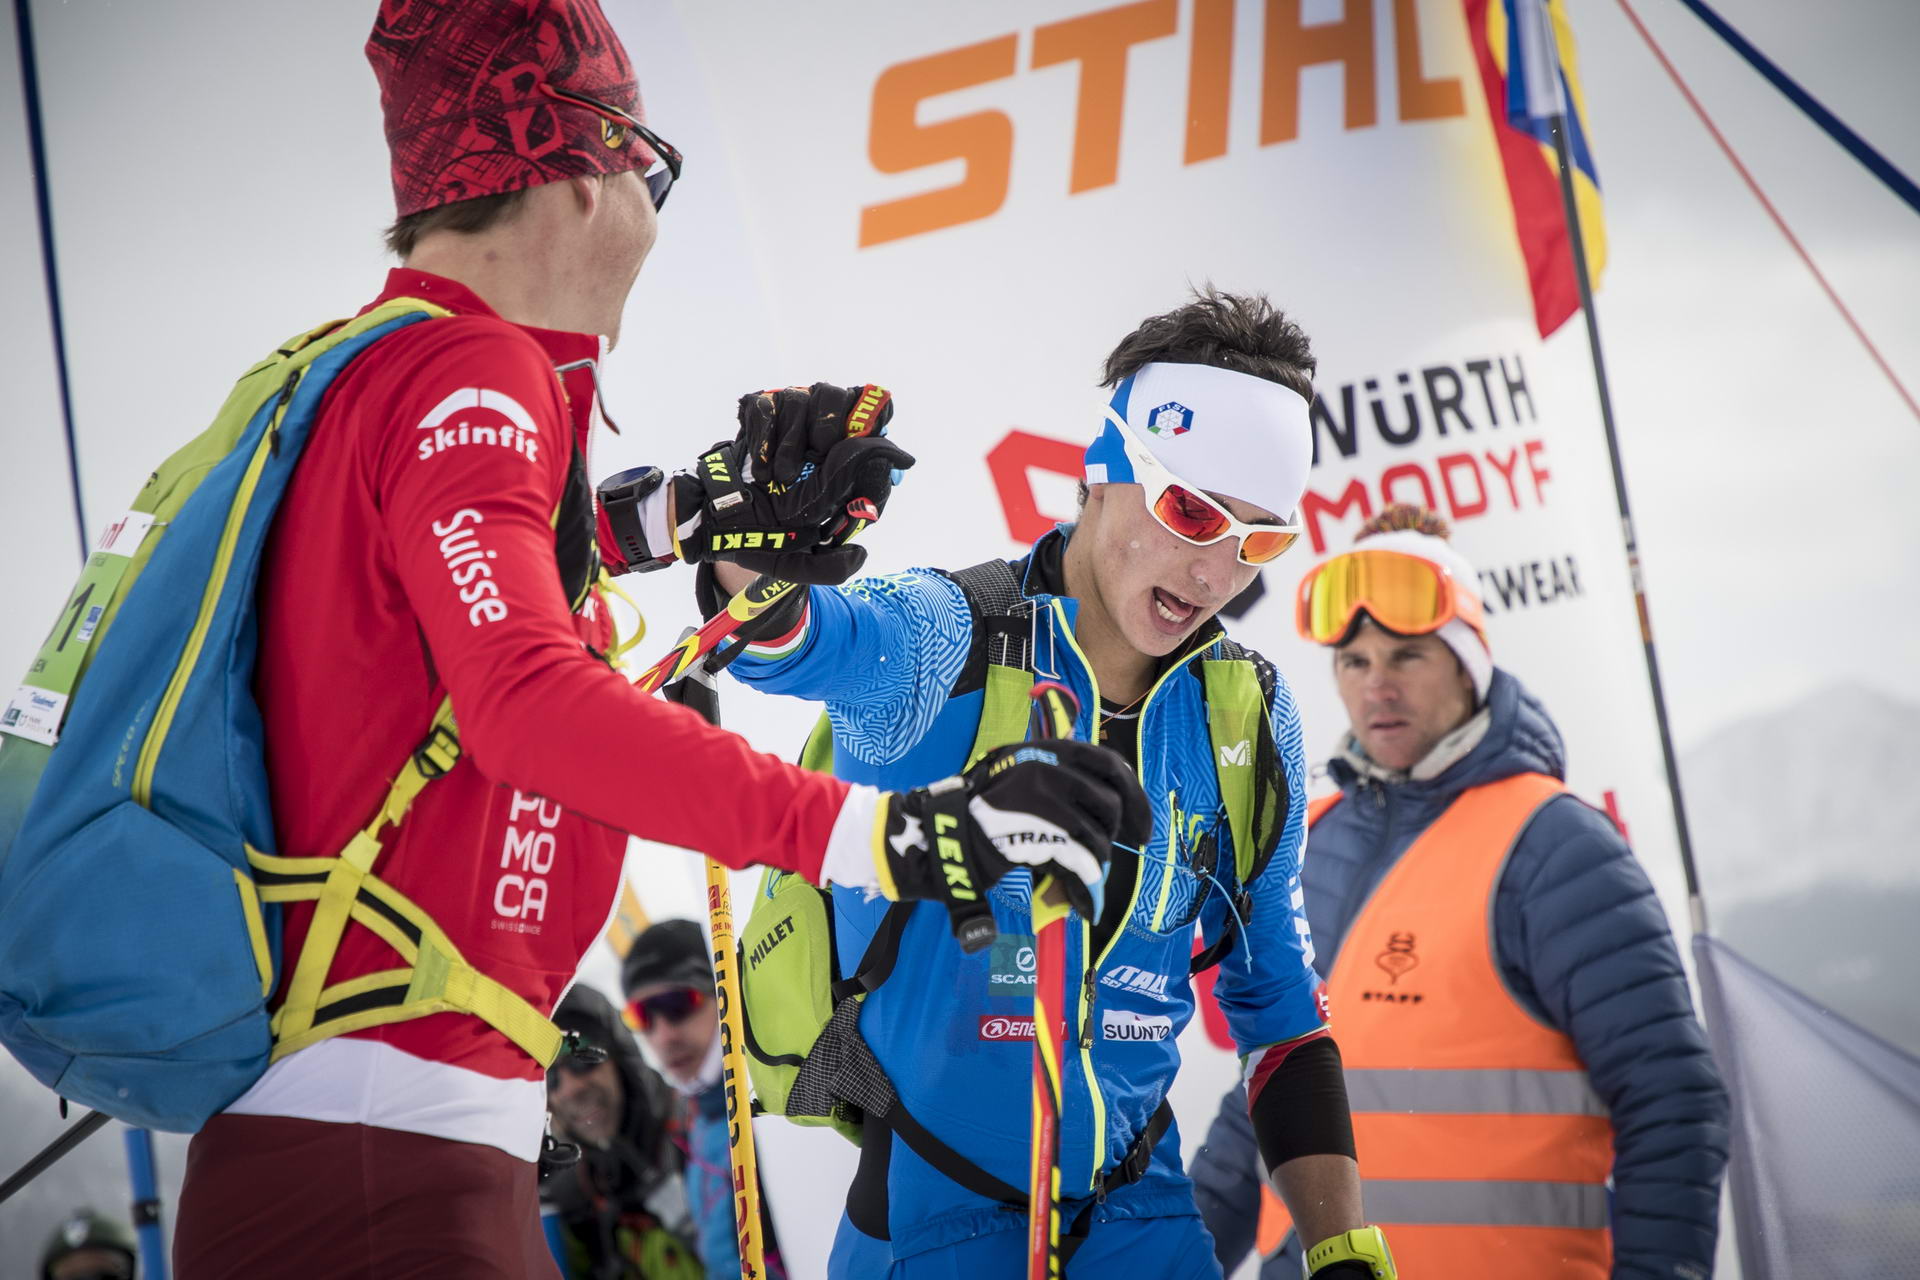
(1220, 430)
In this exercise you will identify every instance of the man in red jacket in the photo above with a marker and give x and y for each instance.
(439, 541)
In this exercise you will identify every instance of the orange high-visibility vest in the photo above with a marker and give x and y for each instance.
(1483, 1148)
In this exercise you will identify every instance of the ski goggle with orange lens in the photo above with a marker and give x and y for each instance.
(673, 1007)
(1405, 594)
(1183, 511)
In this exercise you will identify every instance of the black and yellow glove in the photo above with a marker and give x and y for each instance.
(1052, 805)
(807, 471)
(1360, 1254)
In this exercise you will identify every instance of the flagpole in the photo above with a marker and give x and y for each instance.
(1696, 905)
(43, 206)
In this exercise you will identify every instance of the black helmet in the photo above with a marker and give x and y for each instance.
(85, 1229)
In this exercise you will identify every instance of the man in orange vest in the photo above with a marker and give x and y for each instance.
(1532, 1094)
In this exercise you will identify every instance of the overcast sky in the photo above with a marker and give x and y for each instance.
(1769, 462)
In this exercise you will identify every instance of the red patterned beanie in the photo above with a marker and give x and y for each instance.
(466, 89)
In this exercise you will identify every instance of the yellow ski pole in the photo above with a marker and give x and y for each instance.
(740, 1155)
(696, 690)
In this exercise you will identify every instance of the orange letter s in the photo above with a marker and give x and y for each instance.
(898, 143)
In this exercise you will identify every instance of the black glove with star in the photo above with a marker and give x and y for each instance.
(807, 471)
(1053, 805)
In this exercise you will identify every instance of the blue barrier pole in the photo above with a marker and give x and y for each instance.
(146, 1205)
(556, 1241)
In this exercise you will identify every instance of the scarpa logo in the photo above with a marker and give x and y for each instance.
(1170, 419)
(1012, 967)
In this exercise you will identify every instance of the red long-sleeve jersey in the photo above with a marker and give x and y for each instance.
(414, 556)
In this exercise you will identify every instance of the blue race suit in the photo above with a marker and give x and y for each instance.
(884, 655)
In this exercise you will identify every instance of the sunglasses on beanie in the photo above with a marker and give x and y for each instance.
(617, 128)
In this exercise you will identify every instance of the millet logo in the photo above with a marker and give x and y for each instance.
(764, 948)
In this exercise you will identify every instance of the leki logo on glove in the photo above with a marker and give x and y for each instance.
(772, 541)
(1170, 419)
(953, 859)
(1002, 1026)
(479, 412)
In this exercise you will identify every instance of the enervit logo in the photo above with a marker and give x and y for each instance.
(1006, 1027)
(1139, 981)
(1120, 1024)
(473, 415)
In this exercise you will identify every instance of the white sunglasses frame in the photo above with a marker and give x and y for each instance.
(1158, 480)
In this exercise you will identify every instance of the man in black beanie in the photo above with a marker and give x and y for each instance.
(623, 1204)
(668, 979)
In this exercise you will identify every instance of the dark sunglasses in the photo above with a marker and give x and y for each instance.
(575, 1067)
(617, 128)
(672, 1007)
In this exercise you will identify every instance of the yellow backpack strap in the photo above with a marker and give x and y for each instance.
(622, 645)
(1004, 709)
(435, 978)
(1237, 727)
(817, 755)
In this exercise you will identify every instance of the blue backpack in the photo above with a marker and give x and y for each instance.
(139, 889)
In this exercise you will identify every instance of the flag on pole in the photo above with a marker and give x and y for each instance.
(1524, 49)
(629, 920)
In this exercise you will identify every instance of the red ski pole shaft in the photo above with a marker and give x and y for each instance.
(1055, 708)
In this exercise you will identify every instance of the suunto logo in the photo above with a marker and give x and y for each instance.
(1121, 1024)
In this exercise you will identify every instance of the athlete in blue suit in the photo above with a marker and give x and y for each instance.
(1192, 484)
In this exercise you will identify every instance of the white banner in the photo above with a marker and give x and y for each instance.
(970, 204)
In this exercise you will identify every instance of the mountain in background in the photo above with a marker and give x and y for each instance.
(1806, 828)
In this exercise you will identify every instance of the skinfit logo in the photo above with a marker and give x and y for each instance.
(1120, 1024)
(1145, 982)
(479, 415)
(1006, 1027)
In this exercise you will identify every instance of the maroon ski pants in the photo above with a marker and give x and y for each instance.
(268, 1196)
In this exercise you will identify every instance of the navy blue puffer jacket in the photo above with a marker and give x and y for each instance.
(1583, 942)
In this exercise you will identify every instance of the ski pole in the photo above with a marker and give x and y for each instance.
(1054, 708)
(76, 1133)
(146, 1204)
(698, 692)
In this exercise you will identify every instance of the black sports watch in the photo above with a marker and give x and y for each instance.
(620, 496)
